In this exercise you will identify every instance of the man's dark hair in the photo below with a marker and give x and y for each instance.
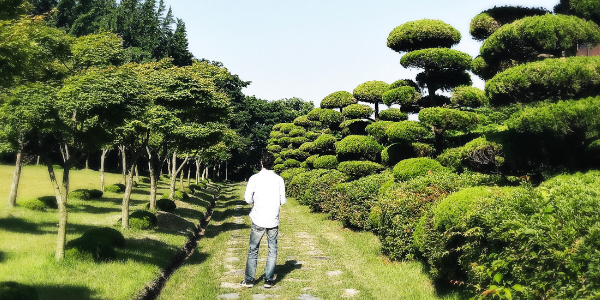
(268, 160)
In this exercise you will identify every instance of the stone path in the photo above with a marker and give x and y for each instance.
(298, 253)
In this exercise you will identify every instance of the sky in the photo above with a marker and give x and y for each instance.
(312, 48)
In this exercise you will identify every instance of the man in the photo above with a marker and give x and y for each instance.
(266, 191)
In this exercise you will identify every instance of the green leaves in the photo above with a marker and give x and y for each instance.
(370, 91)
(338, 99)
(437, 58)
(421, 34)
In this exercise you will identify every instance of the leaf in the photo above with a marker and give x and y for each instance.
(518, 288)
(498, 277)
(548, 209)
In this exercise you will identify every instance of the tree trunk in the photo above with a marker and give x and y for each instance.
(14, 187)
(376, 111)
(181, 188)
(151, 164)
(127, 194)
(137, 174)
(197, 170)
(189, 171)
(37, 163)
(123, 163)
(87, 162)
(226, 165)
(174, 172)
(169, 166)
(102, 158)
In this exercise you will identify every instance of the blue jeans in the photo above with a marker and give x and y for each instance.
(256, 234)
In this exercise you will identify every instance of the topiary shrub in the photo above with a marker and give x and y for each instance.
(318, 191)
(406, 96)
(141, 219)
(422, 34)
(351, 202)
(359, 168)
(407, 131)
(98, 244)
(115, 188)
(274, 148)
(311, 135)
(325, 162)
(357, 111)
(301, 180)
(299, 140)
(393, 154)
(414, 167)
(110, 235)
(289, 174)
(468, 96)
(298, 131)
(164, 205)
(178, 195)
(10, 290)
(310, 161)
(358, 147)
(378, 129)
(338, 100)
(145, 180)
(279, 160)
(483, 155)
(489, 20)
(452, 159)
(40, 204)
(325, 141)
(288, 127)
(354, 127)
(296, 154)
(592, 153)
(82, 194)
(95, 193)
(279, 168)
(393, 115)
(308, 147)
(291, 163)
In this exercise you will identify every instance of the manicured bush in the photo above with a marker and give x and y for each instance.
(406, 96)
(357, 111)
(311, 135)
(298, 131)
(277, 127)
(278, 168)
(452, 159)
(308, 147)
(291, 163)
(415, 167)
(98, 244)
(468, 96)
(110, 235)
(358, 147)
(552, 79)
(279, 160)
(141, 219)
(314, 114)
(443, 118)
(351, 201)
(393, 154)
(299, 183)
(178, 195)
(299, 140)
(370, 91)
(305, 122)
(436, 58)
(318, 190)
(354, 127)
(115, 188)
(274, 148)
(165, 205)
(378, 130)
(289, 174)
(284, 141)
(407, 131)
(325, 162)
(40, 204)
(358, 168)
(82, 194)
(145, 180)
(592, 153)
(95, 193)
(330, 116)
(531, 242)
(422, 34)
(483, 155)
(11, 290)
(277, 134)
(393, 114)
(296, 154)
(311, 160)
(325, 141)
(489, 20)
(288, 127)
(338, 100)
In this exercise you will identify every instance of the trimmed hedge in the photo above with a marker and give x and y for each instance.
(318, 191)
(354, 127)
(378, 130)
(297, 132)
(85, 194)
(468, 96)
(294, 154)
(325, 141)
(11, 290)
(311, 160)
(325, 162)
(358, 147)
(308, 147)
(115, 188)
(393, 154)
(300, 182)
(338, 99)
(288, 127)
(437, 59)
(407, 131)
(289, 174)
(357, 111)
(97, 244)
(311, 135)
(422, 34)
(393, 114)
(415, 167)
(359, 168)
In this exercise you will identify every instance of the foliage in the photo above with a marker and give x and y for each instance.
(317, 193)
(325, 141)
(305, 122)
(407, 131)
(307, 147)
(592, 153)
(354, 127)
(552, 79)
(489, 20)
(452, 159)
(468, 96)
(359, 168)
(178, 195)
(393, 114)
(394, 153)
(526, 39)
(82, 194)
(482, 155)
(288, 127)
(370, 91)
(325, 162)
(294, 154)
(274, 148)
(338, 99)
(11, 290)
(34, 204)
(448, 119)
(422, 34)
(541, 242)
(112, 236)
(299, 183)
(358, 147)
(415, 167)
(406, 96)
(311, 135)
(357, 111)
(165, 205)
(378, 130)
(291, 163)
(587, 9)
(437, 59)
(351, 201)
(97, 244)
(141, 219)
(115, 188)
(289, 174)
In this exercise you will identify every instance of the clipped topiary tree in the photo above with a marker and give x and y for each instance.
(357, 111)
(442, 119)
(489, 20)
(378, 130)
(354, 127)
(359, 168)
(427, 43)
(468, 96)
(414, 167)
(393, 114)
(165, 205)
(358, 147)
(371, 92)
(325, 162)
(338, 100)
(587, 9)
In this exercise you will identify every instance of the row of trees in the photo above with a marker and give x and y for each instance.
(536, 118)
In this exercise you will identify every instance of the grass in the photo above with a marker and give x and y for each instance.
(29, 238)
(310, 246)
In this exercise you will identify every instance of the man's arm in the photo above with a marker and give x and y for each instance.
(282, 197)
(249, 194)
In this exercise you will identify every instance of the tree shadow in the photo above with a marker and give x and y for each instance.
(147, 250)
(19, 225)
(51, 292)
(140, 191)
(214, 230)
(197, 257)
(283, 270)
(174, 224)
(132, 202)
(2, 257)
(189, 213)
(93, 209)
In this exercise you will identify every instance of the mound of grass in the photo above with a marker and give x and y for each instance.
(141, 219)
(164, 205)
(40, 204)
(115, 188)
(178, 195)
(97, 244)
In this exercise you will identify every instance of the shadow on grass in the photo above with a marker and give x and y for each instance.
(283, 270)
(140, 191)
(189, 213)
(2, 257)
(197, 258)
(119, 201)
(93, 209)
(19, 226)
(66, 292)
(146, 250)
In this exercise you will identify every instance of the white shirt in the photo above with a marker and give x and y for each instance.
(266, 190)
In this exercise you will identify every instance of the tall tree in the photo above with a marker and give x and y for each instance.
(178, 47)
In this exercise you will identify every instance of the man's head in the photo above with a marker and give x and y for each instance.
(267, 160)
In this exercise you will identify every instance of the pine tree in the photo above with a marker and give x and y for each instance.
(178, 48)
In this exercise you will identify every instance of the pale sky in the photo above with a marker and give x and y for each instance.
(311, 48)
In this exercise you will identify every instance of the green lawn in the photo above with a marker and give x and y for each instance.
(28, 238)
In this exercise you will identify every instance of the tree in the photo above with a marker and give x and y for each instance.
(441, 120)
(489, 20)
(178, 48)
(587, 9)
(371, 92)
(427, 43)
(339, 100)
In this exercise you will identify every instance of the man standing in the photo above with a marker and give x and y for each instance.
(266, 190)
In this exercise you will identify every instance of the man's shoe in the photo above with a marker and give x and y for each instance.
(247, 284)
(269, 284)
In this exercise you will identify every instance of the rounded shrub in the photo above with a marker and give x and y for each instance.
(393, 154)
(303, 121)
(354, 127)
(489, 20)
(393, 114)
(407, 131)
(164, 205)
(370, 91)
(274, 148)
(178, 195)
(311, 135)
(37, 204)
(95, 193)
(314, 114)
(279, 160)
(311, 160)
(276, 134)
(452, 159)
(277, 127)
(288, 127)
(483, 155)
(142, 219)
(298, 131)
(98, 244)
(338, 99)
(436, 59)
(357, 111)
(359, 168)
(278, 168)
(307, 147)
(325, 141)
(296, 154)
(378, 130)
(284, 141)
(291, 163)
(110, 235)
(414, 167)
(289, 174)
(468, 96)
(406, 96)
(145, 179)
(358, 147)
(422, 34)
(318, 191)
(11, 290)
(299, 140)
(82, 194)
(300, 181)
(115, 188)
(325, 162)
(329, 116)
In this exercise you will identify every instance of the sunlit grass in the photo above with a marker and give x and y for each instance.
(28, 238)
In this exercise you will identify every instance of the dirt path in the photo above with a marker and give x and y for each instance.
(317, 259)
